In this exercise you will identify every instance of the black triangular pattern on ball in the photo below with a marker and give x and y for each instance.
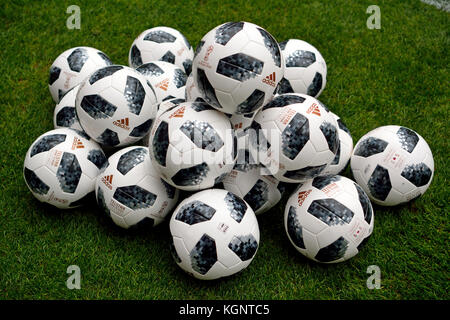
(170, 191)
(34, 182)
(407, 138)
(379, 183)
(105, 58)
(160, 143)
(66, 117)
(131, 159)
(179, 78)
(331, 212)
(61, 94)
(77, 59)
(54, 74)
(142, 129)
(304, 173)
(244, 246)
(236, 206)
(252, 103)
(323, 181)
(330, 133)
(46, 143)
(195, 212)
(283, 44)
(69, 172)
(294, 228)
(187, 65)
(135, 54)
(271, 45)
(365, 203)
(101, 201)
(199, 47)
(258, 195)
(337, 156)
(134, 197)
(240, 67)
(283, 101)
(97, 107)
(228, 30)
(342, 126)
(191, 176)
(202, 134)
(103, 72)
(333, 251)
(168, 57)
(370, 146)
(300, 59)
(150, 69)
(315, 85)
(109, 138)
(203, 255)
(98, 158)
(295, 136)
(418, 174)
(284, 86)
(134, 93)
(159, 36)
(206, 89)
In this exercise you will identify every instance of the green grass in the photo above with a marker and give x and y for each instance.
(395, 75)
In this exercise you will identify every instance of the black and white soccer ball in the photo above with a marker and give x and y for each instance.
(61, 166)
(393, 164)
(297, 138)
(328, 219)
(116, 106)
(344, 152)
(215, 234)
(305, 70)
(193, 146)
(162, 44)
(131, 192)
(249, 181)
(237, 67)
(65, 115)
(167, 79)
(72, 66)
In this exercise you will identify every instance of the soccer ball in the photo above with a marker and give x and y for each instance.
(115, 106)
(162, 44)
(305, 70)
(247, 181)
(328, 219)
(344, 151)
(192, 146)
(65, 115)
(393, 164)
(72, 66)
(61, 166)
(167, 80)
(131, 192)
(308, 133)
(215, 234)
(192, 93)
(237, 67)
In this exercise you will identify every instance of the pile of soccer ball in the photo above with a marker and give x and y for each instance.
(236, 122)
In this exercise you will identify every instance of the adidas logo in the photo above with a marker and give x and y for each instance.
(178, 113)
(164, 85)
(302, 197)
(77, 144)
(122, 123)
(107, 180)
(270, 79)
(208, 52)
(238, 125)
(314, 109)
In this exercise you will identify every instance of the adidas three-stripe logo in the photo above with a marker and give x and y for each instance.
(270, 79)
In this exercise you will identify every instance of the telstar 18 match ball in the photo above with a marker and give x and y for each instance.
(305, 70)
(115, 106)
(393, 164)
(344, 152)
(61, 167)
(237, 67)
(328, 219)
(193, 146)
(65, 115)
(296, 136)
(72, 66)
(131, 192)
(162, 44)
(167, 80)
(215, 234)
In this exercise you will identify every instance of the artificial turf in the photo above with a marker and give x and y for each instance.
(395, 75)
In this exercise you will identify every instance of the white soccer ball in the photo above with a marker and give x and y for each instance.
(162, 44)
(115, 106)
(393, 164)
(344, 151)
(305, 70)
(192, 93)
(296, 136)
(215, 234)
(167, 80)
(249, 181)
(72, 66)
(192, 146)
(61, 166)
(328, 219)
(131, 192)
(237, 67)
(65, 115)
